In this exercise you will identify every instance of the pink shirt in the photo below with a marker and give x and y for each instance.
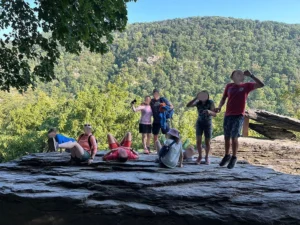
(146, 113)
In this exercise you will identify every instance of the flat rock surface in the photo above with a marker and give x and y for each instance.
(42, 189)
(280, 155)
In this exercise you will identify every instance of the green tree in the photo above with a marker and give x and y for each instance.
(72, 24)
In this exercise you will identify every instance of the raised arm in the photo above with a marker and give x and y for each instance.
(139, 108)
(258, 82)
(192, 103)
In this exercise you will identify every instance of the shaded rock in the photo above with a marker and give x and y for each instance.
(41, 189)
(272, 132)
(274, 120)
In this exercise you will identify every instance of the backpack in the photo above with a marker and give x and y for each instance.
(89, 140)
(165, 149)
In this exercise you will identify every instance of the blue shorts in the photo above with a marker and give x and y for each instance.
(204, 127)
(233, 125)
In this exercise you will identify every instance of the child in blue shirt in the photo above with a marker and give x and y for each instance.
(54, 138)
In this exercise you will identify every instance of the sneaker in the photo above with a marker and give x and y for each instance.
(51, 145)
(232, 162)
(225, 160)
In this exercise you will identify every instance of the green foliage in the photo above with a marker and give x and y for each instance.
(180, 57)
(72, 24)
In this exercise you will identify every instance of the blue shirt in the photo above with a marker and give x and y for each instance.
(60, 139)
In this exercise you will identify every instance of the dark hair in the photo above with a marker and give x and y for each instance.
(53, 129)
(232, 73)
(207, 98)
(122, 159)
(175, 139)
(155, 90)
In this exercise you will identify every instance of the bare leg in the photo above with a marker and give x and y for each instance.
(148, 140)
(235, 146)
(157, 145)
(227, 145)
(78, 151)
(127, 137)
(111, 140)
(144, 141)
(199, 148)
(207, 150)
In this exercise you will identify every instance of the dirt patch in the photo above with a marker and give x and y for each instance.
(280, 155)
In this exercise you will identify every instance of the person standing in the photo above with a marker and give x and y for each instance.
(237, 94)
(206, 110)
(145, 127)
(156, 103)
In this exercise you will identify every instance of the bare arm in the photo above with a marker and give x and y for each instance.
(94, 147)
(212, 112)
(192, 103)
(258, 82)
(222, 102)
(134, 152)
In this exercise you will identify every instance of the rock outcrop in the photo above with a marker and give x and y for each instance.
(42, 189)
(272, 125)
(272, 133)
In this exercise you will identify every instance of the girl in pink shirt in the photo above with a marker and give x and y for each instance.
(145, 122)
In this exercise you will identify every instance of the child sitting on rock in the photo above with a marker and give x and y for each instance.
(174, 155)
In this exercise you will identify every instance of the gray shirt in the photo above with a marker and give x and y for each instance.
(172, 157)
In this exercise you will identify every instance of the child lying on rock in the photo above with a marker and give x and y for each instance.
(120, 151)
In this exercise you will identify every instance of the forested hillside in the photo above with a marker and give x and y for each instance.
(180, 57)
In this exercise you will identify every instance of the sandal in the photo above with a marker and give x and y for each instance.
(146, 151)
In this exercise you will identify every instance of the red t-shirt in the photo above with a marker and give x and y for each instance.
(237, 97)
(115, 155)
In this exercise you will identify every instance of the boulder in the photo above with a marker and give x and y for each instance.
(272, 132)
(274, 120)
(41, 189)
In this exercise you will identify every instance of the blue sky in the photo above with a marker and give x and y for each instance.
(287, 11)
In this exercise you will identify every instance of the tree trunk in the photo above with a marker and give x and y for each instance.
(272, 132)
(274, 120)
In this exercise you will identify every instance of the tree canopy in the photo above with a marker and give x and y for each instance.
(35, 32)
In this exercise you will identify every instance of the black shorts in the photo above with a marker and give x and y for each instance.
(145, 128)
(156, 127)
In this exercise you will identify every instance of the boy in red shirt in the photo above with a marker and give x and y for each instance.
(237, 94)
(120, 152)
